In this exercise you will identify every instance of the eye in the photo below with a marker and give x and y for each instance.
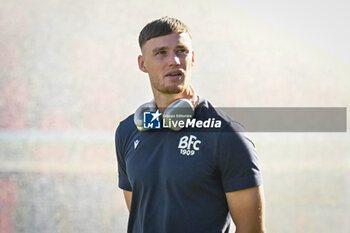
(182, 51)
(161, 52)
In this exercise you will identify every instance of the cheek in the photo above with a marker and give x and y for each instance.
(154, 64)
(154, 70)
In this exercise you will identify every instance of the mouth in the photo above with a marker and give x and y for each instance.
(174, 75)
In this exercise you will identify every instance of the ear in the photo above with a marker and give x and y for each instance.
(141, 62)
(192, 63)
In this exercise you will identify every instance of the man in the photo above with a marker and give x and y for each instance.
(190, 180)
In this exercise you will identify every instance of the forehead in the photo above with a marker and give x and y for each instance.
(171, 40)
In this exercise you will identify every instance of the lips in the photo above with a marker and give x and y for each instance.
(175, 74)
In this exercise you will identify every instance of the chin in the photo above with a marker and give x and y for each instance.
(173, 89)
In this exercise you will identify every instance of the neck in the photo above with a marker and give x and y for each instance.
(164, 100)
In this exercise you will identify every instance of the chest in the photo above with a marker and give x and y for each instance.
(177, 159)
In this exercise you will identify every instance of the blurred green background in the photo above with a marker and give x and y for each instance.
(69, 75)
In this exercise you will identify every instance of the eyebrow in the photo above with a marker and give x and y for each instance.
(181, 47)
(159, 49)
(165, 48)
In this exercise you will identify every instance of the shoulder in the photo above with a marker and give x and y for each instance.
(126, 129)
(231, 133)
(206, 110)
(127, 123)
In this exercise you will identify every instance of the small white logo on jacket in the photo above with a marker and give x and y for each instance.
(136, 143)
(188, 145)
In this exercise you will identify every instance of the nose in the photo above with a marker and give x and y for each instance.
(174, 59)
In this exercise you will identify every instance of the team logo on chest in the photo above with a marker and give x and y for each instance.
(188, 145)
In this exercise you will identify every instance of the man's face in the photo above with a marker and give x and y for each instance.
(168, 60)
